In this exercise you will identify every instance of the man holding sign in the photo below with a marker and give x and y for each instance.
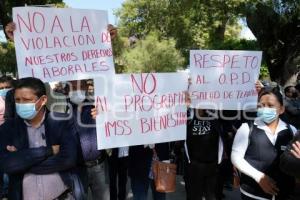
(96, 35)
(142, 109)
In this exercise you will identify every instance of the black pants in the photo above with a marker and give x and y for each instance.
(118, 168)
(201, 181)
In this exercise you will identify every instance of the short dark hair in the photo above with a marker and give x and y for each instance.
(7, 79)
(273, 91)
(32, 83)
(287, 89)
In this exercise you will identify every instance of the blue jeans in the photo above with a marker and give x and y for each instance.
(98, 182)
(140, 189)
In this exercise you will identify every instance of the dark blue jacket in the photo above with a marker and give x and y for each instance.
(58, 131)
(86, 136)
(85, 127)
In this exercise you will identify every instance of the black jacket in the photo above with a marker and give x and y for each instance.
(140, 159)
(10, 107)
(39, 160)
(288, 162)
(265, 157)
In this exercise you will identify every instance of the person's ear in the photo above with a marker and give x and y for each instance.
(43, 100)
(281, 110)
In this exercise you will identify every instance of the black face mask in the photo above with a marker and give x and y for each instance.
(294, 95)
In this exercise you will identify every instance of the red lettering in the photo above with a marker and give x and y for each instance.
(234, 77)
(119, 127)
(72, 27)
(105, 37)
(46, 73)
(26, 44)
(245, 77)
(35, 25)
(234, 60)
(201, 80)
(85, 24)
(101, 104)
(70, 69)
(146, 84)
(254, 63)
(128, 100)
(226, 60)
(197, 60)
(28, 26)
(56, 23)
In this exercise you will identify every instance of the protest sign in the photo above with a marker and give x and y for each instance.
(224, 80)
(59, 44)
(137, 109)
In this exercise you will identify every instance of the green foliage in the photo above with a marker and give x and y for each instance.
(243, 44)
(264, 72)
(236, 44)
(275, 24)
(180, 18)
(119, 44)
(153, 55)
(8, 63)
(193, 24)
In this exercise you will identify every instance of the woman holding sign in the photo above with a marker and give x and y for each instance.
(257, 148)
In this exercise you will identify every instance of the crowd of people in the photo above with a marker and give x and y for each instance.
(48, 147)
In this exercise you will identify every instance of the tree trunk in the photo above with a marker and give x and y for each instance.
(279, 39)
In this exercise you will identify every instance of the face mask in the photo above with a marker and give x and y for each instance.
(26, 110)
(77, 97)
(267, 115)
(3, 92)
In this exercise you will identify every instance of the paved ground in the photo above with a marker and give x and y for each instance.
(180, 193)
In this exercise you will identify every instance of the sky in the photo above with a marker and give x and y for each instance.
(111, 6)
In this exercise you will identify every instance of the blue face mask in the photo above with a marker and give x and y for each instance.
(26, 110)
(3, 92)
(267, 115)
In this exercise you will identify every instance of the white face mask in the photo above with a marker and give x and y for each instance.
(77, 96)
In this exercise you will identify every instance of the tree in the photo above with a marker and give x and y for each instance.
(153, 55)
(8, 58)
(275, 24)
(192, 23)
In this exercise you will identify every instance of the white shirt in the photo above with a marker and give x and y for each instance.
(240, 145)
(41, 186)
(123, 152)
